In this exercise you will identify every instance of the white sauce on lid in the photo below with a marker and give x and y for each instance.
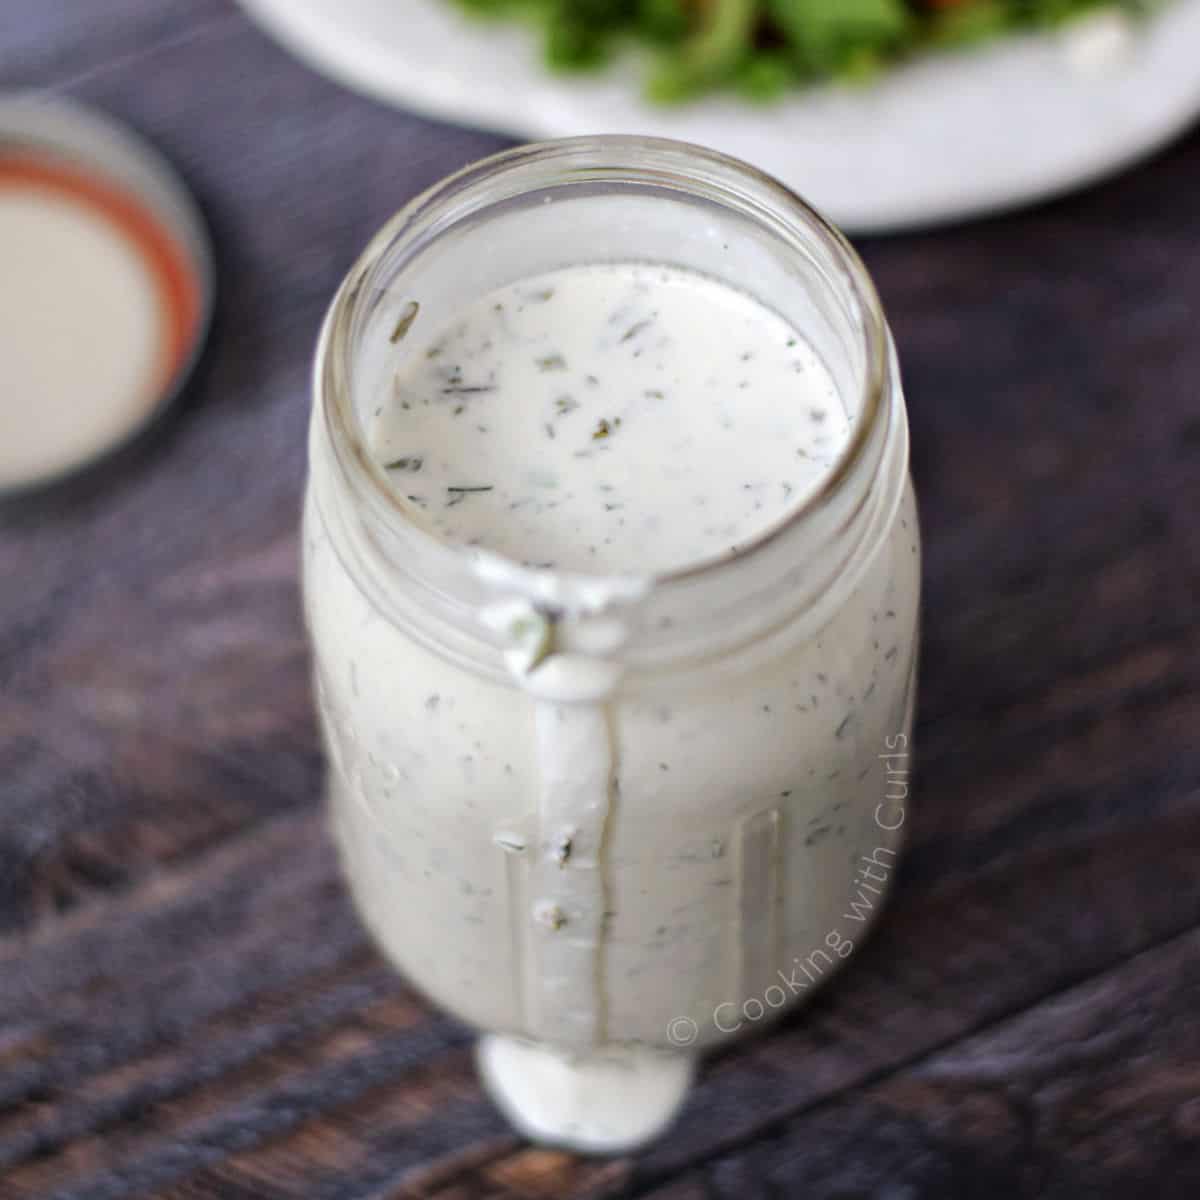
(84, 332)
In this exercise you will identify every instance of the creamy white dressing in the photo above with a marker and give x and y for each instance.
(605, 418)
(604, 1103)
(575, 867)
(602, 418)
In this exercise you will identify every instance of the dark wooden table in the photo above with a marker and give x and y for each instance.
(188, 1006)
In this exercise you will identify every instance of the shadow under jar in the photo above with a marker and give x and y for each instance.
(612, 819)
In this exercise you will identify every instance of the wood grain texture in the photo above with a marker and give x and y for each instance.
(189, 1009)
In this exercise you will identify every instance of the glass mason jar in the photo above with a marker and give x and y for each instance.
(612, 822)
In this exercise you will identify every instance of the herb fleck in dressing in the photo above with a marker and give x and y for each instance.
(607, 418)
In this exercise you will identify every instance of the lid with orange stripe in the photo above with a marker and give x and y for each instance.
(106, 289)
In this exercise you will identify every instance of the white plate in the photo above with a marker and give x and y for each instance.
(950, 136)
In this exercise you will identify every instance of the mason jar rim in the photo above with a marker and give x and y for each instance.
(662, 162)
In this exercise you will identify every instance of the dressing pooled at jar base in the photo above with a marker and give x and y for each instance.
(597, 816)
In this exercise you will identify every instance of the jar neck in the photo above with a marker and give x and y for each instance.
(607, 199)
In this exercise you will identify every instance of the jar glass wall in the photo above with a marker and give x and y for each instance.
(613, 820)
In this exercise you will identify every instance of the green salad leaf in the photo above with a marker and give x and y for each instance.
(763, 48)
(826, 37)
(710, 54)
